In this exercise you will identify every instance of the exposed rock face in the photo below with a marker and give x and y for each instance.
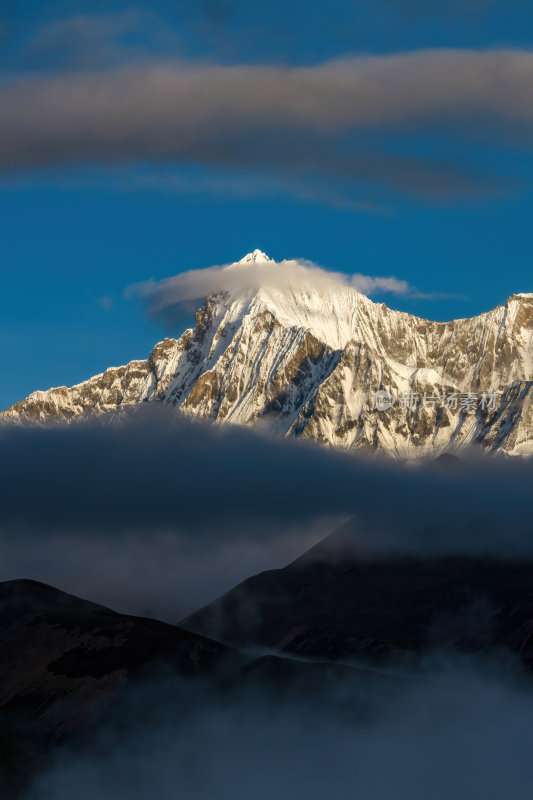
(309, 363)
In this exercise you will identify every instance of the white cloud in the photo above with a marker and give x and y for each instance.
(243, 276)
(368, 284)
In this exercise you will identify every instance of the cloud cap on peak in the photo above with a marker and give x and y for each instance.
(254, 271)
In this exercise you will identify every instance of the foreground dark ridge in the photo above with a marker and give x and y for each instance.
(66, 662)
(335, 603)
(63, 659)
(67, 654)
(70, 668)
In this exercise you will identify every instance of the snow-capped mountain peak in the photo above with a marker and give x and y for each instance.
(257, 256)
(300, 351)
(295, 293)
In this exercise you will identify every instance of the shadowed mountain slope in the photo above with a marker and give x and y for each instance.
(337, 602)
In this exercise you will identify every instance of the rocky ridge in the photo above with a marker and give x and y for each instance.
(308, 362)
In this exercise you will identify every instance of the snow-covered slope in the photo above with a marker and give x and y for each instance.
(305, 356)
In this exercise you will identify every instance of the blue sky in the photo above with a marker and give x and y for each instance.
(76, 231)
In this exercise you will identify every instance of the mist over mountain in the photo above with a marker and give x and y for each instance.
(158, 513)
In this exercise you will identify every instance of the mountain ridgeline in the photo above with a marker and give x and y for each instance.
(328, 364)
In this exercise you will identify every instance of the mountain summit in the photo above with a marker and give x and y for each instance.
(303, 354)
(256, 256)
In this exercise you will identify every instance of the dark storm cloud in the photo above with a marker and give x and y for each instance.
(269, 118)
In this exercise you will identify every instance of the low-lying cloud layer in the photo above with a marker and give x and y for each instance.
(288, 120)
(159, 515)
(458, 731)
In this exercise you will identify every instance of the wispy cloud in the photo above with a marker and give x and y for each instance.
(105, 302)
(367, 284)
(94, 41)
(290, 121)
